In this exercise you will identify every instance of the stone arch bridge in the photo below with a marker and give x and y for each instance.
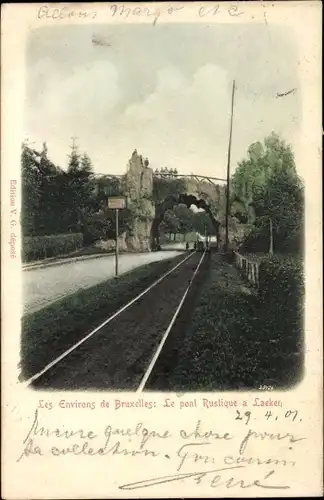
(150, 194)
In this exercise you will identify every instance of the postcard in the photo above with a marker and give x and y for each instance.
(161, 250)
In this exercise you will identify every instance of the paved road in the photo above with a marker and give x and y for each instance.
(45, 285)
(118, 356)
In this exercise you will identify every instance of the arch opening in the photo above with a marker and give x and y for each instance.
(188, 201)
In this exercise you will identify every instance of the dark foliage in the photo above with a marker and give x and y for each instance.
(268, 196)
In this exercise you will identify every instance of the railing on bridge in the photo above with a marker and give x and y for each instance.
(199, 178)
(249, 267)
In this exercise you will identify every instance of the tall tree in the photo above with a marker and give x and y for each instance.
(267, 193)
(170, 223)
(49, 199)
(202, 223)
(81, 189)
(30, 190)
(185, 217)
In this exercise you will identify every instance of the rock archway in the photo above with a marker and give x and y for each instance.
(169, 203)
(149, 197)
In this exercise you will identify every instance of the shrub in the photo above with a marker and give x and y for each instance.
(281, 279)
(42, 247)
(285, 241)
(281, 291)
(281, 299)
(256, 241)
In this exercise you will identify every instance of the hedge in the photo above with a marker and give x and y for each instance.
(281, 296)
(281, 279)
(42, 247)
(281, 291)
(284, 242)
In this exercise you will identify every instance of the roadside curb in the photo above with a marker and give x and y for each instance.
(43, 265)
(65, 261)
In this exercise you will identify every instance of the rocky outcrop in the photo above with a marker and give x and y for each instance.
(139, 239)
(147, 205)
(138, 181)
(137, 185)
(213, 194)
(110, 244)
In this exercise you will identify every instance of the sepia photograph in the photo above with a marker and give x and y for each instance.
(162, 216)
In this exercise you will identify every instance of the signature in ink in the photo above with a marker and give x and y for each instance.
(218, 479)
(286, 93)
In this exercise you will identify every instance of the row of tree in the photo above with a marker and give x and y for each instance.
(56, 200)
(268, 196)
(183, 220)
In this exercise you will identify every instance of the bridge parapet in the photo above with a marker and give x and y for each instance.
(151, 193)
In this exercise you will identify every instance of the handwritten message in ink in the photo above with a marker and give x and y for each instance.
(124, 11)
(200, 452)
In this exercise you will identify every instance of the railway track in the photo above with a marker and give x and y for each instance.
(121, 353)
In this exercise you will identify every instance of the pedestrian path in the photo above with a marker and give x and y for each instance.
(44, 285)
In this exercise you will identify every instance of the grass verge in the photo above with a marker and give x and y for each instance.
(236, 340)
(91, 250)
(85, 251)
(47, 333)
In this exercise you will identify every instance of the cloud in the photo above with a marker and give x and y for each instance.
(79, 104)
(182, 123)
(91, 93)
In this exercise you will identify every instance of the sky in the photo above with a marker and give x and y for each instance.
(164, 90)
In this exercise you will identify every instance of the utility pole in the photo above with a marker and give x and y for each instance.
(116, 203)
(271, 237)
(228, 169)
(116, 252)
(270, 225)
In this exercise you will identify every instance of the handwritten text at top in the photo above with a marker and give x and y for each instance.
(123, 11)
